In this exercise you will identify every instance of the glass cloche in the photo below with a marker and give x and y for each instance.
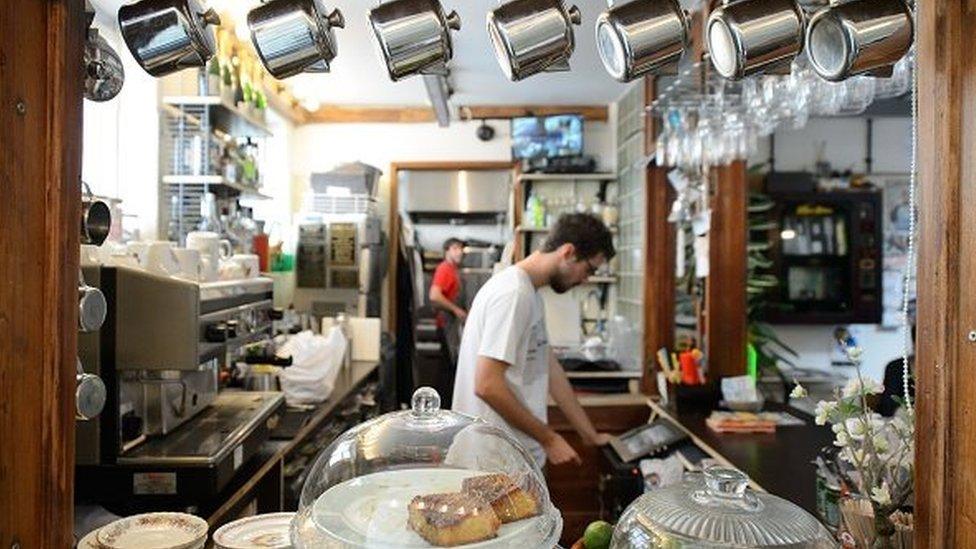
(425, 477)
(716, 509)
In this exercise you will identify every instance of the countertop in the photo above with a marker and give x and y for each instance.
(778, 463)
(274, 451)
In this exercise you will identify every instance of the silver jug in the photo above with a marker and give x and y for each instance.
(642, 37)
(749, 37)
(860, 36)
(166, 36)
(294, 36)
(414, 36)
(532, 36)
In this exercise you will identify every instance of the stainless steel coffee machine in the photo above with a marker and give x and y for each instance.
(159, 354)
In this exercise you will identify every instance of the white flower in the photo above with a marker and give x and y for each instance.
(902, 427)
(852, 456)
(841, 439)
(881, 495)
(837, 428)
(856, 428)
(799, 391)
(854, 352)
(881, 444)
(854, 388)
(824, 410)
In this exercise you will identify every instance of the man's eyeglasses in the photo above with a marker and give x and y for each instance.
(590, 267)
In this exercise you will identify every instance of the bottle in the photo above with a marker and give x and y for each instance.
(531, 205)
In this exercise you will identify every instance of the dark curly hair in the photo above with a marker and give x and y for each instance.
(585, 232)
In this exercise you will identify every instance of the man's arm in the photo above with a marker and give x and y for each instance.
(439, 300)
(491, 386)
(562, 392)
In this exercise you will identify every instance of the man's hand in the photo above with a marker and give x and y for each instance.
(559, 451)
(461, 314)
(598, 439)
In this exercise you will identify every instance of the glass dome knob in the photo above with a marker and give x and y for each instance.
(725, 482)
(425, 402)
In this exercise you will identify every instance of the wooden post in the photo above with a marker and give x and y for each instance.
(41, 43)
(659, 255)
(725, 288)
(945, 459)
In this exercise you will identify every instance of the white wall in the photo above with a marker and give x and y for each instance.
(319, 147)
(120, 151)
(845, 147)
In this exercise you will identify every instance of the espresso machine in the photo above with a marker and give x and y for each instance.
(168, 437)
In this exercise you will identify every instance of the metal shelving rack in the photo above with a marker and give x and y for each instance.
(192, 129)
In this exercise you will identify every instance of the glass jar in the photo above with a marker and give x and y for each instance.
(424, 477)
(716, 509)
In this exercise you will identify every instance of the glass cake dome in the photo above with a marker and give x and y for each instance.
(716, 509)
(425, 477)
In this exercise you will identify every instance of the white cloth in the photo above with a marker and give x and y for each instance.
(507, 323)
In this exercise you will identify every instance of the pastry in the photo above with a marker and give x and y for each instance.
(446, 520)
(510, 501)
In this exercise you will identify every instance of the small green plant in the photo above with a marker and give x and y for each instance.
(770, 349)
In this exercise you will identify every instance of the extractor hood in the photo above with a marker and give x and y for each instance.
(463, 192)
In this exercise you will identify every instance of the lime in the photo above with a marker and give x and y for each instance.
(597, 535)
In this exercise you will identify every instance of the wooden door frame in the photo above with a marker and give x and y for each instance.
(41, 78)
(945, 495)
(394, 207)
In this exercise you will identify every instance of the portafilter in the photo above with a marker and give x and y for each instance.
(532, 36)
(166, 36)
(414, 36)
(104, 73)
(96, 219)
(294, 36)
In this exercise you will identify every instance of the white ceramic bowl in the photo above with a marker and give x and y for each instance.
(154, 531)
(269, 531)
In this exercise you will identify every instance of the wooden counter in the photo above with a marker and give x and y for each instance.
(778, 463)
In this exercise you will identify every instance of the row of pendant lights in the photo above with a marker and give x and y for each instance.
(634, 39)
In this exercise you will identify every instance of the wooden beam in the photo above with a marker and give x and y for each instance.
(659, 255)
(592, 113)
(725, 289)
(40, 168)
(945, 458)
(348, 114)
(280, 99)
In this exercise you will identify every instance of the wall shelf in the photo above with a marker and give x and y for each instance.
(525, 229)
(630, 374)
(224, 116)
(597, 176)
(217, 184)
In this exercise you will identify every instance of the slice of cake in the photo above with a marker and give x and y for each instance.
(446, 520)
(510, 501)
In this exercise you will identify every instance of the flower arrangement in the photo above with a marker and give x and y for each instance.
(877, 453)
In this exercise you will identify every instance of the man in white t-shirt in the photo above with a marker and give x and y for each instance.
(506, 370)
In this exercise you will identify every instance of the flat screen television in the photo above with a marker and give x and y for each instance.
(553, 136)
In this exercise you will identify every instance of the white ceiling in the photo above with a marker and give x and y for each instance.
(358, 76)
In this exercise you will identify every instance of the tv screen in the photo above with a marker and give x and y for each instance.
(547, 137)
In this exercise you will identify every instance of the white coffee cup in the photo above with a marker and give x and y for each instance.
(212, 248)
(250, 264)
(90, 255)
(158, 257)
(230, 270)
(191, 267)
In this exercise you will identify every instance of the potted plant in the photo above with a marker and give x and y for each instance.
(877, 460)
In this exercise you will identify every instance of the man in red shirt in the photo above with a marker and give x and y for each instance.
(444, 292)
